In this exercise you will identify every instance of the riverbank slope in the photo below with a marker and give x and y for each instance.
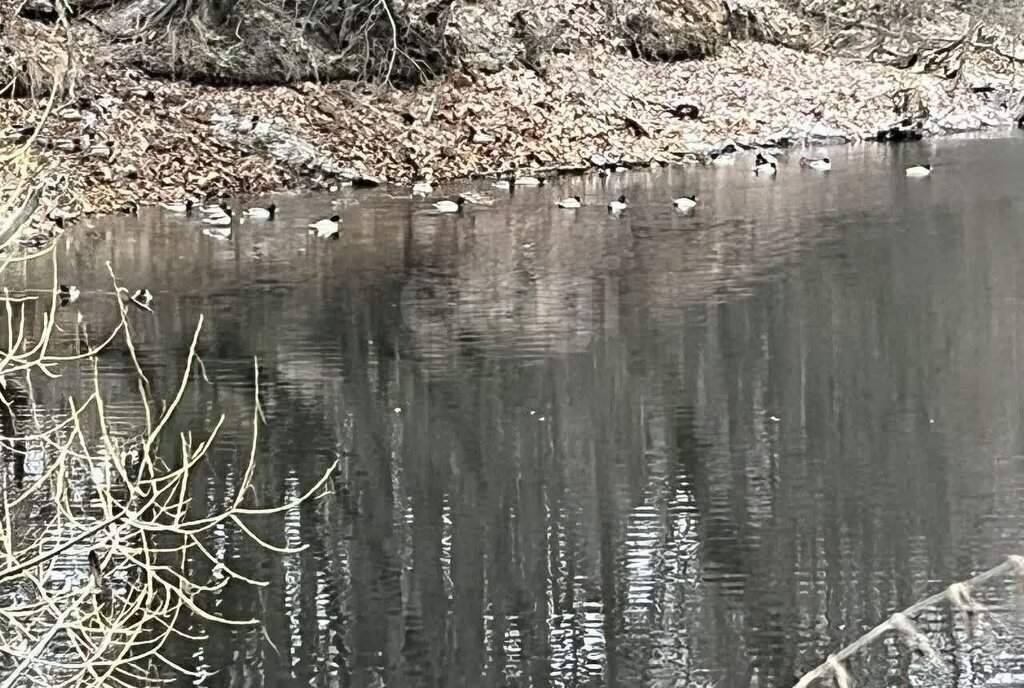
(118, 131)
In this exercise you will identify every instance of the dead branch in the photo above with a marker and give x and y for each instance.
(900, 621)
(28, 206)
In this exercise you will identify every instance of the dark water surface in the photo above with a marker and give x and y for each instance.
(585, 451)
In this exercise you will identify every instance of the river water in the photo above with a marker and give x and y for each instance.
(581, 450)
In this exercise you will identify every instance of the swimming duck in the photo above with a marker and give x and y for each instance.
(766, 168)
(179, 207)
(919, 171)
(328, 228)
(37, 241)
(68, 294)
(721, 158)
(450, 206)
(262, 213)
(130, 208)
(617, 206)
(215, 209)
(529, 181)
(570, 203)
(223, 220)
(685, 202)
(764, 158)
(819, 164)
(422, 189)
(142, 298)
(476, 199)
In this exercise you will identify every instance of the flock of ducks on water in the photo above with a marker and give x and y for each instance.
(68, 294)
(765, 164)
(218, 217)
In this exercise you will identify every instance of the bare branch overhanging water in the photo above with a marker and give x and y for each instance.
(91, 593)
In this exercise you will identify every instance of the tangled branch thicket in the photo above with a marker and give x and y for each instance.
(931, 35)
(409, 41)
(96, 535)
(283, 41)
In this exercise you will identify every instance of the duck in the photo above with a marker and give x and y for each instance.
(450, 206)
(215, 209)
(618, 205)
(476, 199)
(767, 168)
(422, 189)
(722, 158)
(327, 228)
(68, 294)
(179, 207)
(130, 208)
(819, 164)
(685, 202)
(258, 213)
(142, 298)
(570, 203)
(529, 181)
(223, 220)
(919, 171)
(37, 241)
(764, 158)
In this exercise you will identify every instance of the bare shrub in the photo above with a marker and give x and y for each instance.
(96, 533)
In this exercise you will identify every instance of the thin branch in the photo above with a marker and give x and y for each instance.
(897, 621)
(12, 224)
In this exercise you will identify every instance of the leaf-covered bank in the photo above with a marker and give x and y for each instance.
(538, 86)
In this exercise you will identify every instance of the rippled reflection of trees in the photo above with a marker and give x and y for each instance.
(735, 472)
